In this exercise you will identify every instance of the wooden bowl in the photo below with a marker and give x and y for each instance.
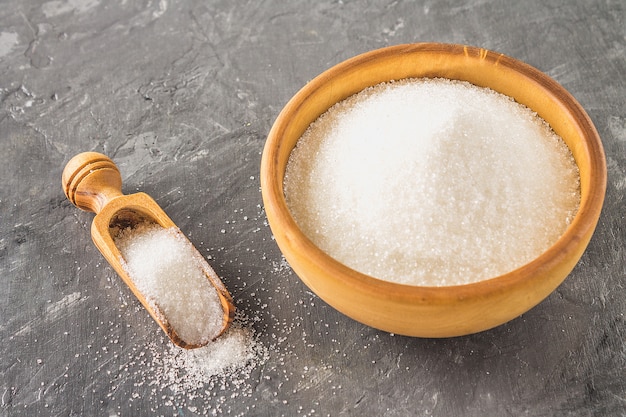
(434, 311)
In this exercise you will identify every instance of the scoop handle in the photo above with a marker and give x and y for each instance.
(90, 180)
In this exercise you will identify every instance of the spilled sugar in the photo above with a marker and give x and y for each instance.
(195, 373)
(202, 381)
(432, 182)
(170, 273)
(190, 369)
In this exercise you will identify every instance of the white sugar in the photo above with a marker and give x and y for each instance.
(170, 273)
(432, 182)
(235, 352)
(207, 380)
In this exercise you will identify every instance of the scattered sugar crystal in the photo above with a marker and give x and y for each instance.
(432, 182)
(170, 273)
(189, 370)
(199, 377)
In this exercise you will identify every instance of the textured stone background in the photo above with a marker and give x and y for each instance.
(181, 94)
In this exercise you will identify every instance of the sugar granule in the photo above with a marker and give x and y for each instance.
(432, 182)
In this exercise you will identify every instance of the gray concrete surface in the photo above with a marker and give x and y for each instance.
(181, 94)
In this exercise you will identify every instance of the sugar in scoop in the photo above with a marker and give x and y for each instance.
(172, 275)
(162, 268)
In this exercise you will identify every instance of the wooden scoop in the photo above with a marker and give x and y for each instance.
(92, 182)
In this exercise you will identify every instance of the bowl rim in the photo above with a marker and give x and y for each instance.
(580, 229)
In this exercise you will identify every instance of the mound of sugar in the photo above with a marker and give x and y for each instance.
(191, 369)
(172, 275)
(432, 182)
